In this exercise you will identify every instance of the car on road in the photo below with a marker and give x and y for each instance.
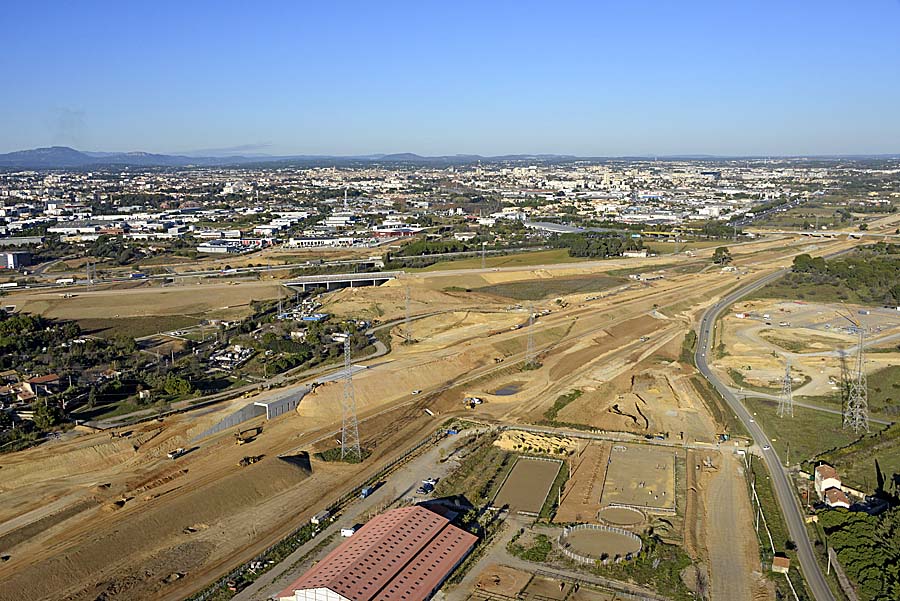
(416, 391)
(766, 447)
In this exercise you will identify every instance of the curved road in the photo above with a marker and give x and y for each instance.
(790, 507)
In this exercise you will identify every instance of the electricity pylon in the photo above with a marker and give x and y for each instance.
(350, 422)
(856, 415)
(856, 411)
(530, 359)
(786, 403)
(408, 323)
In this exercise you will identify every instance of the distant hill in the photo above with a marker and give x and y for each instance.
(63, 157)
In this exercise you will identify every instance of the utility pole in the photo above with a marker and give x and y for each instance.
(483, 250)
(350, 422)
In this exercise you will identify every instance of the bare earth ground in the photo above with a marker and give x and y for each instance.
(813, 339)
(111, 518)
(213, 300)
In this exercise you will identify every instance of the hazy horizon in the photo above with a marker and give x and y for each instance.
(357, 79)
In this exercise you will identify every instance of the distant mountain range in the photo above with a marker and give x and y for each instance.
(63, 157)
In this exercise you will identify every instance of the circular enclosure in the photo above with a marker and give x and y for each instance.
(589, 543)
(621, 516)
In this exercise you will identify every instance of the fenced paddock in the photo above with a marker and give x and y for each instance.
(527, 485)
(588, 543)
(641, 477)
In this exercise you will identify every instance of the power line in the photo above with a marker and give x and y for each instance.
(350, 422)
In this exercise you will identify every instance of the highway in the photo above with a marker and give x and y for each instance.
(790, 506)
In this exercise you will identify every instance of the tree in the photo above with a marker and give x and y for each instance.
(175, 385)
(46, 416)
(722, 256)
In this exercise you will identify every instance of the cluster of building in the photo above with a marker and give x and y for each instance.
(237, 210)
(833, 493)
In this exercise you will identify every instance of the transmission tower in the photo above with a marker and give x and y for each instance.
(408, 323)
(530, 359)
(856, 414)
(786, 403)
(91, 272)
(350, 423)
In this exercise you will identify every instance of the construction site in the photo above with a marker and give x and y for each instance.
(116, 515)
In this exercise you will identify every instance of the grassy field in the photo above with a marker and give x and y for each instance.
(136, 327)
(549, 287)
(808, 433)
(856, 462)
(519, 259)
(884, 391)
(825, 293)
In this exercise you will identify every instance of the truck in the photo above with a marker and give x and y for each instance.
(249, 460)
(320, 518)
(176, 453)
(366, 491)
(137, 275)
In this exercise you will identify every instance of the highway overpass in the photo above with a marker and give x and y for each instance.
(342, 280)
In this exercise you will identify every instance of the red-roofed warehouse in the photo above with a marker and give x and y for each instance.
(401, 555)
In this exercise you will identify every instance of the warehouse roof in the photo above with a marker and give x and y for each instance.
(403, 554)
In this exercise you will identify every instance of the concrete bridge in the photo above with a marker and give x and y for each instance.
(831, 233)
(342, 280)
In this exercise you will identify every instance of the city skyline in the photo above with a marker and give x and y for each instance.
(584, 80)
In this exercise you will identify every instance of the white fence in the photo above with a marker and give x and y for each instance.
(585, 558)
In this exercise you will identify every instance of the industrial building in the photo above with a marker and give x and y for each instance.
(14, 259)
(401, 555)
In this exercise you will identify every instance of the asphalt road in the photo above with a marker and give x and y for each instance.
(790, 507)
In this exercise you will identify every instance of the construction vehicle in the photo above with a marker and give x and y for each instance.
(248, 460)
(248, 435)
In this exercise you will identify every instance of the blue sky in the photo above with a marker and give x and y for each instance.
(586, 78)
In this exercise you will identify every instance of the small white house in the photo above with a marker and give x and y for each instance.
(826, 477)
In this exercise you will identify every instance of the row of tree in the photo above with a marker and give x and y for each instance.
(597, 244)
(868, 548)
(873, 272)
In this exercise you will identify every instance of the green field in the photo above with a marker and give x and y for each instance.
(136, 327)
(884, 391)
(549, 287)
(808, 433)
(856, 463)
(824, 292)
(884, 395)
(519, 259)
